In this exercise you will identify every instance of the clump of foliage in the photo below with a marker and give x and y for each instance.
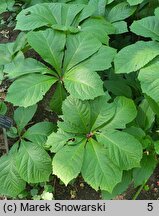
(102, 58)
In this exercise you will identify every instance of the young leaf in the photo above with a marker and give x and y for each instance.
(67, 163)
(135, 56)
(142, 174)
(33, 163)
(147, 27)
(125, 150)
(50, 46)
(10, 180)
(23, 115)
(98, 170)
(39, 132)
(29, 89)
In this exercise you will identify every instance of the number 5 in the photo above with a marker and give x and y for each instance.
(150, 206)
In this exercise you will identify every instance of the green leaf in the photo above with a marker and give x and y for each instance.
(58, 97)
(57, 140)
(83, 84)
(50, 46)
(6, 52)
(122, 148)
(101, 112)
(6, 5)
(3, 108)
(78, 48)
(63, 17)
(29, 89)
(67, 163)
(142, 174)
(120, 27)
(100, 61)
(147, 27)
(156, 145)
(33, 163)
(35, 17)
(10, 180)
(99, 5)
(120, 12)
(99, 28)
(146, 116)
(118, 88)
(26, 66)
(98, 170)
(120, 187)
(77, 112)
(125, 113)
(23, 115)
(149, 79)
(134, 2)
(135, 56)
(39, 132)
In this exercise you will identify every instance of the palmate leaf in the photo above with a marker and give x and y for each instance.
(123, 149)
(67, 163)
(23, 115)
(149, 79)
(50, 46)
(11, 182)
(147, 27)
(136, 56)
(98, 170)
(107, 152)
(33, 163)
(29, 89)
